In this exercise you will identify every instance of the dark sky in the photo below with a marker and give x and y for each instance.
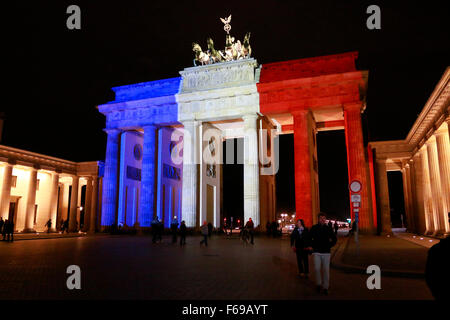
(60, 75)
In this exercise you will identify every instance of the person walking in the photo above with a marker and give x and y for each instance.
(48, 225)
(204, 230)
(2, 223)
(268, 231)
(322, 240)
(183, 232)
(66, 225)
(300, 244)
(5, 229)
(210, 229)
(155, 229)
(10, 231)
(336, 228)
(250, 226)
(174, 229)
(437, 269)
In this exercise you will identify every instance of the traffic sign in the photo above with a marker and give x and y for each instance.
(355, 186)
(356, 198)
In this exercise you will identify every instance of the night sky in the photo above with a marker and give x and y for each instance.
(60, 75)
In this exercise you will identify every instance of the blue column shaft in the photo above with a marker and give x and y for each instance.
(110, 185)
(148, 186)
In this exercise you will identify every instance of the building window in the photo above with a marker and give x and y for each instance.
(14, 181)
(35, 213)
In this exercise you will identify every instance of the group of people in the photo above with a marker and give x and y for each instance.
(273, 229)
(7, 229)
(158, 228)
(317, 242)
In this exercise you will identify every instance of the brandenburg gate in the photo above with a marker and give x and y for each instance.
(165, 138)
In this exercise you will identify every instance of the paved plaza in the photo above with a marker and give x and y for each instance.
(131, 267)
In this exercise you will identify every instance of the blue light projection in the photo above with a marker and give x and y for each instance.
(145, 90)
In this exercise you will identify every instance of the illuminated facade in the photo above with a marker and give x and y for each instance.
(424, 160)
(35, 188)
(193, 115)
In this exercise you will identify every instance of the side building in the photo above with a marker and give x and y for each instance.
(424, 160)
(35, 188)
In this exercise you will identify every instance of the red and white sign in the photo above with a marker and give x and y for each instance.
(355, 186)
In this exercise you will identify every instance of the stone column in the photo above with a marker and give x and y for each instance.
(110, 184)
(74, 205)
(357, 162)
(60, 216)
(419, 194)
(405, 194)
(31, 201)
(433, 164)
(54, 200)
(428, 201)
(383, 197)
(6, 191)
(443, 151)
(412, 195)
(302, 163)
(93, 209)
(87, 204)
(251, 170)
(190, 162)
(147, 196)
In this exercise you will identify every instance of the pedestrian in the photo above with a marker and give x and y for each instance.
(48, 225)
(10, 231)
(66, 225)
(353, 229)
(437, 269)
(183, 231)
(174, 229)
(210, 229)
(250, 226)
(155, 229)
(330, 224)
(322, 240)
(204, 230)
(300, 244)
(1, 225)
(5, 229)
(336, 228)
(272, 228)
(268, 231)
(231, 226)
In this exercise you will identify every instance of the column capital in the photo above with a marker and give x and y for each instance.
(354, 106)
(300, 112)
(442, 130)
(250, 116)
(190, 123)
(431, 140)
(112, 131)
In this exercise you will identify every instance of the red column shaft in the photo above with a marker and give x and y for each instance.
(302, 162)
(357, 162)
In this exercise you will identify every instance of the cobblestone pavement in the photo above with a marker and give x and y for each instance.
(390, 253)
(131, 267)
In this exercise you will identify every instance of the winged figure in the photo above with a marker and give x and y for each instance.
(226, 20)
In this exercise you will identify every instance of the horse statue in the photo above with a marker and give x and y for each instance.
(200, 56)
(246, 49)
(215, 55)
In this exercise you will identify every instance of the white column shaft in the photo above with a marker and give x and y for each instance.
(189, 195)
(6, 191)
(251, 170)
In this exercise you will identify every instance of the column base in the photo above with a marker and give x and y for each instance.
(438, 233)
(28, 230)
